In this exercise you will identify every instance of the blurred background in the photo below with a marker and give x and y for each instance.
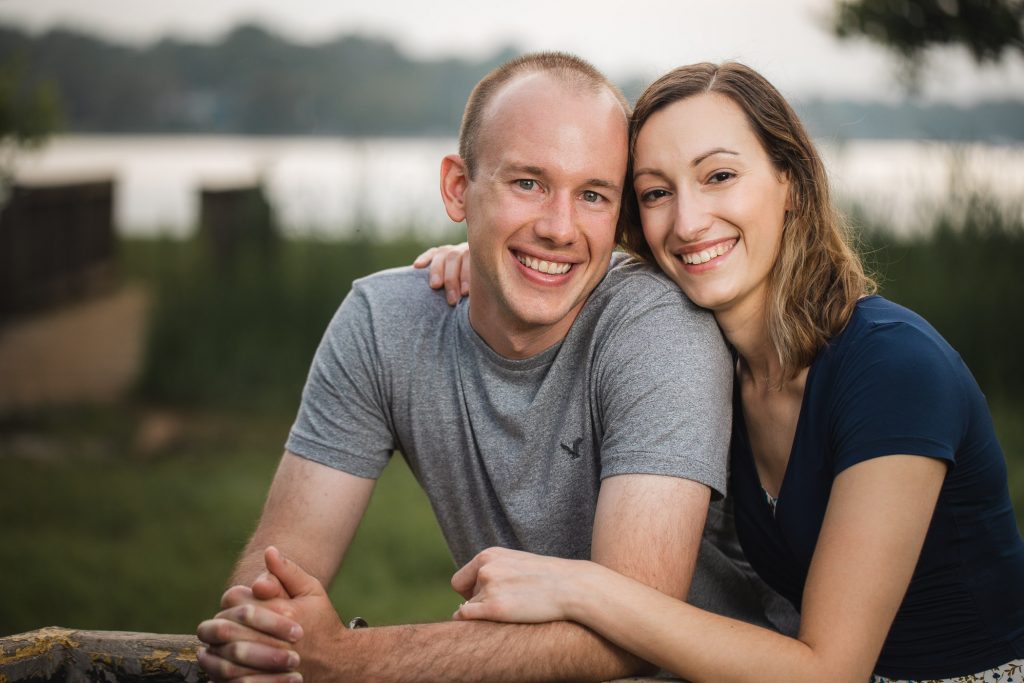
(189, 188)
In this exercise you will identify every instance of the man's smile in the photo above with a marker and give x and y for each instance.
(542, 266)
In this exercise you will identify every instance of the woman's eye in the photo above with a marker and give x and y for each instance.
(721, 176)
(526, 184)
(591, 196)
(653, 195)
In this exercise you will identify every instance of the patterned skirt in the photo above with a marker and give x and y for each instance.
(1011, 672)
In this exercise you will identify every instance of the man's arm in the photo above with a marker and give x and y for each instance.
(647, 527)
(311, 514)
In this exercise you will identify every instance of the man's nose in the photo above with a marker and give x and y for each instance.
(557, 222)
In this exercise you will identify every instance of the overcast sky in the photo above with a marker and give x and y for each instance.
(787, 40)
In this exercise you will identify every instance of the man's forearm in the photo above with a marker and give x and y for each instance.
(471, 651)
(248, 567)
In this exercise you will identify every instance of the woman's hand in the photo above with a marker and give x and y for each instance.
(511, 585)
(449, 268)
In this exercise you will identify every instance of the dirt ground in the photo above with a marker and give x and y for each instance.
(89, 351)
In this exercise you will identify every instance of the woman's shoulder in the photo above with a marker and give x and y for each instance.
(891, 384)
(893, 349)
(879, 325)
(875, 311)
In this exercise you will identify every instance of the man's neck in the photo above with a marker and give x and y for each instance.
(518, 341)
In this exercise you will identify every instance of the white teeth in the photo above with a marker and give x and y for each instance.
(707, 254)
(549, 267)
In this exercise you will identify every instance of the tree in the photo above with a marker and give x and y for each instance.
(989, 29)
(29, 113)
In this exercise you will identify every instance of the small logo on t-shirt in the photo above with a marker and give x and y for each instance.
(573, 452)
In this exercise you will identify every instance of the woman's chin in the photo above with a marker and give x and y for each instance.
(711, 299)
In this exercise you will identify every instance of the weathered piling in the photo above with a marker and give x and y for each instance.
(61, 654)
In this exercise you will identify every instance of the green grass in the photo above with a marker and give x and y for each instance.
(114, 542)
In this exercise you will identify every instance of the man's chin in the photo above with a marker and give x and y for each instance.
(548, 311)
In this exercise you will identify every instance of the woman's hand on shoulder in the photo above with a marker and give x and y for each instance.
(449, 268)
(514, 586)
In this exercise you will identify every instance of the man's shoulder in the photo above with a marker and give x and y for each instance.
(637, 285)
(403, 290)
(401, 277)
(395, 305)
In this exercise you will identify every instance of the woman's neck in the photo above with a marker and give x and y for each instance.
(746, 329)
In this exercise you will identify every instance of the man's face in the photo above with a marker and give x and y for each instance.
(541, 210)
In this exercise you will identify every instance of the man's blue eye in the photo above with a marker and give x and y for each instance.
(527, 184)
(591, 196)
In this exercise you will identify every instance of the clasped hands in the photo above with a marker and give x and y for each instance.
(264, 632)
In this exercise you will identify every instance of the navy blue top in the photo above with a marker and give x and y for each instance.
(890, 384)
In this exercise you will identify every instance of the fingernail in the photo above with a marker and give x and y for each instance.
(293, 660)
(295, 632)
(295, 678)
(435, 281)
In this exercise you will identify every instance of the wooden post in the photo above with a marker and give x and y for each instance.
(232, 219)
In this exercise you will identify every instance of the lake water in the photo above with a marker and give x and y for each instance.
(326, 185)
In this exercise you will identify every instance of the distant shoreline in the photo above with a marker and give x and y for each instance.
(325, 186)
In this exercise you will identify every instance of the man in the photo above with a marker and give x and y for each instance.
(566, 408)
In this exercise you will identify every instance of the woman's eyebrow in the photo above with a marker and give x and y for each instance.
(696, 162)
(648, 171)
(711, 152)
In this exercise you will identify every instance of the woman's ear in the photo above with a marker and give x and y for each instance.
(454, 180)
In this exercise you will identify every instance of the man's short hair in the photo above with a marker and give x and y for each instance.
(574, 72)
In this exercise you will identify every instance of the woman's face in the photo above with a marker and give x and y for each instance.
(711, 202)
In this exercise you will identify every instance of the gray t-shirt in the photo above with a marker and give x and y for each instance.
(512, 452)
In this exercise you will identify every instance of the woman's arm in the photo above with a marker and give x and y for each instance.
(877, 518)
(449, 268)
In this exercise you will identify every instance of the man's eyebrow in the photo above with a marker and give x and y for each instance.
(525, 168)
(601, 182)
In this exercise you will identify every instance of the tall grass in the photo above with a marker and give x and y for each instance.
(240, 335)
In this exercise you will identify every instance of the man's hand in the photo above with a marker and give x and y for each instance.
(311, 608)
(256, 631)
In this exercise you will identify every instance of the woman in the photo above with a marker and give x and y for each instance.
(869, 486)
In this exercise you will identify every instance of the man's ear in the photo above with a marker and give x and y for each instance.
(454, 180)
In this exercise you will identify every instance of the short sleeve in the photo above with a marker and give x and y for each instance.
(342, 419)
(898, 392)
(666, 386)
